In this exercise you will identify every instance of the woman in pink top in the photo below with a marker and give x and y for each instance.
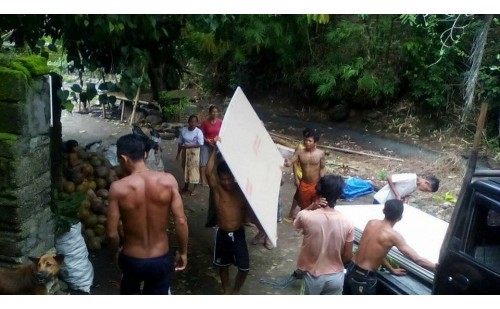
(210, 128)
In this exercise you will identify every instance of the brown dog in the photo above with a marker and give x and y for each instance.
(34, 279)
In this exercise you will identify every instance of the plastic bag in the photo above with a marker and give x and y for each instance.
(76, 271)
(356, 187)
(110, 154)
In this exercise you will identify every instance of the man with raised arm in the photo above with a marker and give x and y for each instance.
(231, 208)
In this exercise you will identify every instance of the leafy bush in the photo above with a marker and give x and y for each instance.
(171, 108)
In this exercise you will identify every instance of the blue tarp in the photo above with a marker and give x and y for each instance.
(356, 187)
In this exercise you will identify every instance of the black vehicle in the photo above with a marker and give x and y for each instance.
(470, 259)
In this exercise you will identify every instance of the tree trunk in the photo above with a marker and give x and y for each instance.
(157, 81)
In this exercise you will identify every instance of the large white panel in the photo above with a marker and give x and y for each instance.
(253, 159)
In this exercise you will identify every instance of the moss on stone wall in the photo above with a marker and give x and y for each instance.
(7, 145)
(36, 65)
(13, 84)
(8, 140)
(15, 73)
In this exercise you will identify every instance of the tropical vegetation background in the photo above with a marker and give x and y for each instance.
(437, 67)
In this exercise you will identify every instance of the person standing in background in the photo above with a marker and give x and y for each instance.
(190, 141)
(312, 162)
(210, 128)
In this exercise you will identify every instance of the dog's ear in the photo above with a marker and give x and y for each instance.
(34, 260)
(59, 258)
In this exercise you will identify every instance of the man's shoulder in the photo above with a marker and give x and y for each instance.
(319, 152)
(165, 177)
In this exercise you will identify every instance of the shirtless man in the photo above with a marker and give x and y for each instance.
(143, 201)
(376, 241)
(312, 163)
(231, 209)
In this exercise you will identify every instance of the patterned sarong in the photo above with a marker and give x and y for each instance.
(192, 165)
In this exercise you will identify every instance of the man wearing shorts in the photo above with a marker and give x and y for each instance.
(143, 201)
(231, 209)
(312, 163)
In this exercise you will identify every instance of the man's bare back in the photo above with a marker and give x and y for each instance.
(144, 200)
(377, 239)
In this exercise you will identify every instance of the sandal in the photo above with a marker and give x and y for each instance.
(288, 220)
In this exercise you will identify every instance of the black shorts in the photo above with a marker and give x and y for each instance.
(156, 273)
(231, 248)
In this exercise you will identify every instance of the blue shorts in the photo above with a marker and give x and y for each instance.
(231, 248)
(156, 273)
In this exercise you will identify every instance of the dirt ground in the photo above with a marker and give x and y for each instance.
(269, 268)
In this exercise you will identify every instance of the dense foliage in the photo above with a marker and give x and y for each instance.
(354, 60)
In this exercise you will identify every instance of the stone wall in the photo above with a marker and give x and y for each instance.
(26, 223)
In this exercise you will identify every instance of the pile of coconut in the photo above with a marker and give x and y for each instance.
(93, 175)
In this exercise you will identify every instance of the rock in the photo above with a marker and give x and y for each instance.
(154, 119)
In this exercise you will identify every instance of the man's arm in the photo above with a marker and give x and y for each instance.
(410, 253)
(297, 223)
(181, 225)
(179, 149)
(393, 187)
(297, 179)
(211, 178)
(293, 159)
(392, 270)
(318, 203)
(347, 252)
(322, 164)
(113, 217)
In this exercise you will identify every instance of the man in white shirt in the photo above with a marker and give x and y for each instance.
(401, 186)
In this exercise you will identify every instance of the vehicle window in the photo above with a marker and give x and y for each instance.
(485, 232)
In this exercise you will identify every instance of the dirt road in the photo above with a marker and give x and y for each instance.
(268, 267)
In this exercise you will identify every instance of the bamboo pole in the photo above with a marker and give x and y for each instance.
(136, 100)
(123, 110)
(279, 136)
